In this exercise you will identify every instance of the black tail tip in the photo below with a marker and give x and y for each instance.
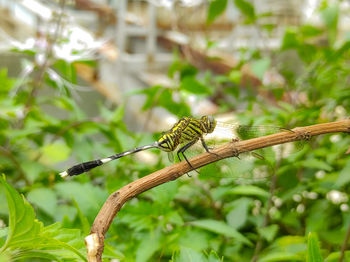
(73, 171)
(69, 172)
(81, 168)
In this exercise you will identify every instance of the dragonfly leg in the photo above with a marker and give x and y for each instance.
(207, 148)
(182, 151)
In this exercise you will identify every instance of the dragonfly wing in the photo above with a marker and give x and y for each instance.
(246, 169)
(244, 132)
(171, 156)
(251, 166)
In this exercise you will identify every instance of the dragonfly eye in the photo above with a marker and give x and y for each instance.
(209, 123)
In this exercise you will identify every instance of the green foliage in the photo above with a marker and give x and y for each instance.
(314, 252)
(186, 254)
(45, 129)
(216, 8)
(221, 228)
(28, 238)
(247, 9)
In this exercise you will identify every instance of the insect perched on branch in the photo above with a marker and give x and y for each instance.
(185, 133)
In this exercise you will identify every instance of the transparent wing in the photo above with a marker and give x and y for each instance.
(171, 156)
(225, 132)
(244, 132)
(252, 166)
(246, 169)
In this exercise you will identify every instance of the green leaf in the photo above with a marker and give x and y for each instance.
(152, 95)
(221, 228)
(70, 105)
(216, 8)
(111, 252)
(23, 227)
(166, 101)
(45, 199)
(114, 115)
(89, 203)
(330, 16)
(310, 31)
(60, 240)
(30, 254)
(247, 9)
(83, 220)
(148, 246)
(118, 114)
(313, 249)
(28, 238)
(5, 257)
(187, 70)
(237, 217)
(214, 257)
(55, 152)
(6, 83)
(194, 238)
(317, 164)
(193, 86)
(248, 190)
(188, 254)
(344, 177)
(290, 40)
(268, 232)
(4, 232)
(33, 169)
(235, 76)
(259, 67)
(63, 211)
(279, 256)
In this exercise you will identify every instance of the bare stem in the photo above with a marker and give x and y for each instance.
(259, 243)
(38, 80)
(344, 245)
(95, 241)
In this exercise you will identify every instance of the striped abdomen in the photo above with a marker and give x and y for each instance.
(187, 129)
(168, 142)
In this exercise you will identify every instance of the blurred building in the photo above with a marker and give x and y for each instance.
(133, 41)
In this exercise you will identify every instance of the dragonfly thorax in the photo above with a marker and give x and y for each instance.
(187, 129)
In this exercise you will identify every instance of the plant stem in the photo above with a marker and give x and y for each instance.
(344, 245)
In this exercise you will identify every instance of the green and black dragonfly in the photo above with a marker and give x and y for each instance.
(186, 132)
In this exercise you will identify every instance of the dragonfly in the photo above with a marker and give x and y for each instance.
(185, 133)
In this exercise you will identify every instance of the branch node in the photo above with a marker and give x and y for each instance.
(92, 246)
(235, 151)
(303, 135)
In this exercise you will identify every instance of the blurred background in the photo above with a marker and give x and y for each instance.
(85, 79)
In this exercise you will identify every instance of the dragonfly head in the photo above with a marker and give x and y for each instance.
(208, 123)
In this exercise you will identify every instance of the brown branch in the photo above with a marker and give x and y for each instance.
(95, 241)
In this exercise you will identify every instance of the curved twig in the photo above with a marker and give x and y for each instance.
(95, 241)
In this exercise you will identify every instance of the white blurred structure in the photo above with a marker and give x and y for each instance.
(135, 58)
